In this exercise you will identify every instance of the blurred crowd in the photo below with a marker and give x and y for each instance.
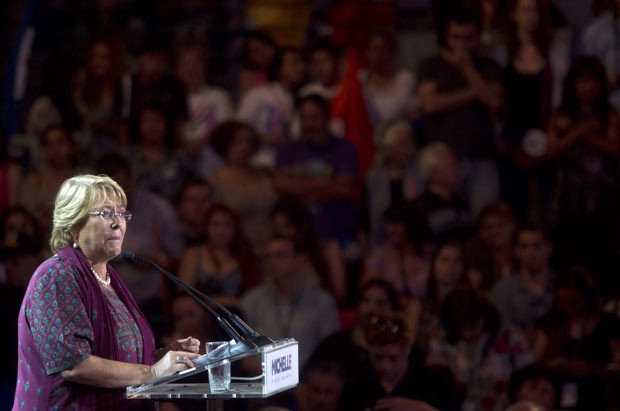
(423, 193)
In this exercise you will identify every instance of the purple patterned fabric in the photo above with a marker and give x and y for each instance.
(64, 318)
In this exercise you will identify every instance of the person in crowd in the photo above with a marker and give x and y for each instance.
(448, 270)
(401, 260)
(157, 166)
(531, 79)
(583, 342)
(525, 297)
(480, 349)
(537, 384)
(348, 346)
(101, 97)
(40, 185)
(440, 205)
(244, 187)
(324, 264)
(389, 92)
(156, 235)
(224, 266)
(284, 305)
(187, 317)
(208, 105)
(393, 178)
(154, 82)
(321, 171)
(390, 381)
(92, 340)
(598, 39)
(460, 95)
(258, 52)
(270, 107)
(490, 253)
(584, 145)
(324, 69)
(20, 255)
(320, 388)
(11, 176)
(195, 198)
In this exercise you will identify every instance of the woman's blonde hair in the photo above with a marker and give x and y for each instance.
(76, 197)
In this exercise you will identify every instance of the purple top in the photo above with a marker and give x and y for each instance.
(65, 317)
(336, 157)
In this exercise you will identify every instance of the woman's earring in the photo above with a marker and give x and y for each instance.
(75, 244)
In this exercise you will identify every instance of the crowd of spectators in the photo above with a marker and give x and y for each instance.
(472, 265)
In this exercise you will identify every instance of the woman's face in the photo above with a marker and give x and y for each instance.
(282, 225)
(241, 148)
(152, 126)
(569, 301)
(260, 54)
(448, 268)
(101, 240)
(57, 148)
(99, 63)
(191, 68)
(497, 230)
(587, 88)
(396, 233)
(220, 229)
(526, 15)
(374, 300)
(538, 390)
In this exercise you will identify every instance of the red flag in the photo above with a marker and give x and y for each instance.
(349, 106)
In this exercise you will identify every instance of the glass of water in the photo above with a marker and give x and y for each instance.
(219, 377)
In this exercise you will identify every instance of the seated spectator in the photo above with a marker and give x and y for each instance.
(400, 261)
(599, 40)
(536, 384)
(583, 343)
(284, 306)
(348, 346)
(490, 253)
(390, 381)
(324, 70)
(532, 79)
(224, 266)
(320, 170)
(155, 234)
(446, 213)
(258, 51)
(389, 92)
(461, 94)
(153, 82)
(208, 105)
(393, 178)
(99, 97)
(324, 264)
(525, 297)
(447, 272)
(480, 349)
(245, 188)
(157, 166)
(195, 199)
(320, 387)
(270, 108)
(584, 144)
(40, 185)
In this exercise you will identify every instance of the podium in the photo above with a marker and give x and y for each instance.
(280, 372)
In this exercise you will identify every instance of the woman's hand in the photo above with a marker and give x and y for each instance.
(173, 361)
(190, 344)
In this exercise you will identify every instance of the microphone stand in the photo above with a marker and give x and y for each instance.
(243, 343)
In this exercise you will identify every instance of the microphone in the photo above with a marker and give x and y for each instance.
(245, 337)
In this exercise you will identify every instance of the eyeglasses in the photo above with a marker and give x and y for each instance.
(108, 214)
(387, 324)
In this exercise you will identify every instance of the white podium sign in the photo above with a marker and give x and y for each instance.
(281, 368)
